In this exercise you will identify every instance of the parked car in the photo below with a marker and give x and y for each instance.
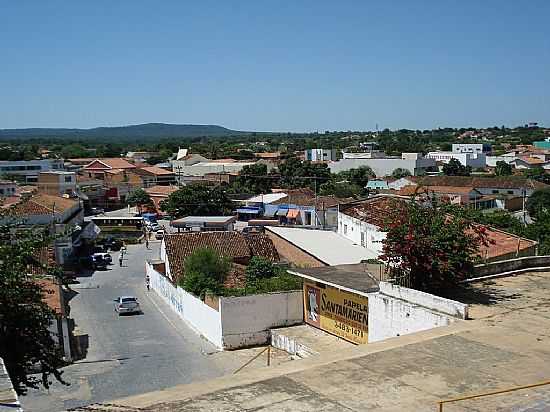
(99, 262)
(105, 256)
(154, 226)
(127, 304)
(159, 234)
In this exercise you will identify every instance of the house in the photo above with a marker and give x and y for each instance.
(91, 191)
(29, 169)
(119, 183)
(363, 221)
(57, 183)
(140, 156)
(544, 144)
(154, 175)
(205, 223)
(320, 155)
(274, 157)
(415, 163)
(236, 246)
(460, 195)
(498, 185)
(192, 166)
(377, 185)
(97, 168)
(158, 194)
(302, 247)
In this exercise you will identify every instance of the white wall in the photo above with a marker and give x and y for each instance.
(402, 311)
(241, 321)
(246, 320)
(206, 320)
(351, 228)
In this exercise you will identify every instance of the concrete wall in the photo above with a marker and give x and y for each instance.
(239, 322)
(397, 311)
(246, 320)
(292, 254)
(511, 265)
(383, 166)
(201, 317)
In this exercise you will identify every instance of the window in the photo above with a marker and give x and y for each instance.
(495, 191)
(68, 179)
(510, 192)
(345, 229)
(363, 238)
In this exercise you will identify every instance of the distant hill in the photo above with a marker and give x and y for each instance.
(139, 131)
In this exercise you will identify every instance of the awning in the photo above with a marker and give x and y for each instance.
(249, 210)
(293, 213)
(282, 212)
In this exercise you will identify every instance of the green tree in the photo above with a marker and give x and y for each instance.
(400, 172)
(296, 174)
(139, 198)
(25, 339)
(539, 203)
(538, 173)
(259, 268)
(253, 179)
(204, 272)
(359, 176)
(540, 231)
(455, 168)
(435, 249)
(340, 189)
(198, 200)
(503, 169)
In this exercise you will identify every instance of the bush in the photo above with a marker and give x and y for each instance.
(279, 283)
(205, 271)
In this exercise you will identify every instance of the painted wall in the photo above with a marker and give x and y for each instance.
(201, 317)
(240, 321)
(402, 311)
(384, 166)
(246, 320)
(361, 233)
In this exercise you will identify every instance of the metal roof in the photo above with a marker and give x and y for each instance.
(352, 278)
(327, 246)
(204, 219)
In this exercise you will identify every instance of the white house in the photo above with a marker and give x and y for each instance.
(415, 163)
(471, 147)
(319, 155)
(473, 160)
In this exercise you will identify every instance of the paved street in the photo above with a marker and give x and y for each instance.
(129, 354)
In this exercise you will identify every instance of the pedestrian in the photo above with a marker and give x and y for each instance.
(120, 260)
(147, 282)
(147, 243)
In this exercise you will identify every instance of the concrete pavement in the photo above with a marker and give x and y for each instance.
(128, 354)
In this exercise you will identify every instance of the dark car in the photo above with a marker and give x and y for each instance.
(110, 243)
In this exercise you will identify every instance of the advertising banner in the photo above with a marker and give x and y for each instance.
(341, 313)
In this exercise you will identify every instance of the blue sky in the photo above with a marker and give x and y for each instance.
(275, 65)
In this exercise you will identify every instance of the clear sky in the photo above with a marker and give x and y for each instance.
(275, 65)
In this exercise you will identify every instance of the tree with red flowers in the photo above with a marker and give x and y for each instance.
(437, 250)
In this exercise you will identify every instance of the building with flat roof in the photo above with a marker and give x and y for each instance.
(415, 163)
(29, 169)
(57, 183)
(320, 155)
(475, 160)
(204, 223)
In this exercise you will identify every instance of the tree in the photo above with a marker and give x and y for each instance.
(297, 174)
(25, 340)
(539, 203)
(538, 173)
(455, 168)
(435, 249)
(253, 179)
(359, 176)
(139, 198)
(204, 272)
(340, 189)
(197, 200)
(503, 169)
(400, 172)
(259, 268)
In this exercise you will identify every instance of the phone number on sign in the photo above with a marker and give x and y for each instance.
(348, 329)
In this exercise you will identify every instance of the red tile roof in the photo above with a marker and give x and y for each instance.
(161, 190)
(155, 170)
(109, 163)
(234, 245)
(500, 182)
(374, 211)
(41, 204)
(51, 294)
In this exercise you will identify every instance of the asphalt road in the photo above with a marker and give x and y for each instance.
(126, 355)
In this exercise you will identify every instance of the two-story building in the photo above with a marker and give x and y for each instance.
(57, 183)
(29, 169)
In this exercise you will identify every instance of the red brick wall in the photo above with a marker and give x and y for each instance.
(292, 254)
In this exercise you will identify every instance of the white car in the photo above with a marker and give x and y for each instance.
(154, 226)
(105, 256)
(159, 234)
(127, 304)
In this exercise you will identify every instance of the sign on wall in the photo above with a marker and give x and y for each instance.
(336, 311)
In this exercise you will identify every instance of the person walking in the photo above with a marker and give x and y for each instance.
(120, 260)
(148, 282)
(147, 242)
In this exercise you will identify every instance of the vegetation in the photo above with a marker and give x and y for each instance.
(503, 169)
(253, 179)
(400, 172)
(296, 174)
(139, 198)
(198, 200)
(436, 250)
(455, 168)
(538, 204)
(25, 340)
(204, 272)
